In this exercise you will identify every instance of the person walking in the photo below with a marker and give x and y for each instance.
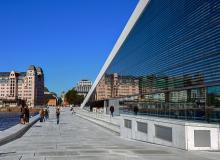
(73, 111)
(46, 114)
(22, 113)
(27, 114)
(112, 109)
(136, 110)
(58, 115)
(41, 115)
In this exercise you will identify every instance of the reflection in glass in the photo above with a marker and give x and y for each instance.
(169, 65)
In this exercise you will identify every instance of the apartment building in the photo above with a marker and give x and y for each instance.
(17, 86)
(83, 87)
(115, 86)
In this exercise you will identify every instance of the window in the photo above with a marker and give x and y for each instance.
(127, 123)
(163, 132)
(142, 127)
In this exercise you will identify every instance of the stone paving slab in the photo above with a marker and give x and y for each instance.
(78, 139)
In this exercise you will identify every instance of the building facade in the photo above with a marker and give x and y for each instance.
(116, 86)
(63, 99)
(28, 86)
(83, 87)
(172, 50)
(50, 99)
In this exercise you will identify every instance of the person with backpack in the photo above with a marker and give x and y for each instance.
(58, 115)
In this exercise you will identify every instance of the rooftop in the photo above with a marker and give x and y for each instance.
(4, 74)
(31, 67)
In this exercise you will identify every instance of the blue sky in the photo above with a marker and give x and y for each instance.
(69, 39)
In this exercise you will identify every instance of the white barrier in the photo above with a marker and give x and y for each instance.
(100, 119)
(187, 135)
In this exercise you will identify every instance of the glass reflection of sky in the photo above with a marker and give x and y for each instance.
(173, 38)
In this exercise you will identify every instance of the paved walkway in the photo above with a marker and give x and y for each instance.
(115, 120)
(78, 139)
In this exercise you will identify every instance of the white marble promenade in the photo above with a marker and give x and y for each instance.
(78, 139)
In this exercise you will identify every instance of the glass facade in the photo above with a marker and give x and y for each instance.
(169, 65)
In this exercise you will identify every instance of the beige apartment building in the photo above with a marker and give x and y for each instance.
(17, 86)
(103, 89)
(115, 86)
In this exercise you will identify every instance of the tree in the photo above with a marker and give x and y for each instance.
(73, 98)
(79, 99)
(46, 89)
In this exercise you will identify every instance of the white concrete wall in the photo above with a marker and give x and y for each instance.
(100, 119)
(214, 137)
(219, 138)
(182, 132)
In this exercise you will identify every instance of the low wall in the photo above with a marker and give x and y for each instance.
(99, 120)
(170, 132)
(16, 131)
(18, 109)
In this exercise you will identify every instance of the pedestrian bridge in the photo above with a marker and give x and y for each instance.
(82, 136)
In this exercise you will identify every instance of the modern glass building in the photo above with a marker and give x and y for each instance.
(168, 64)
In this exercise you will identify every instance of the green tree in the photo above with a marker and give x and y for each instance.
(73, 98)
(79, 99)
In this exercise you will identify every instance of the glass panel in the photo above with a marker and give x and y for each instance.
(168, 66)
